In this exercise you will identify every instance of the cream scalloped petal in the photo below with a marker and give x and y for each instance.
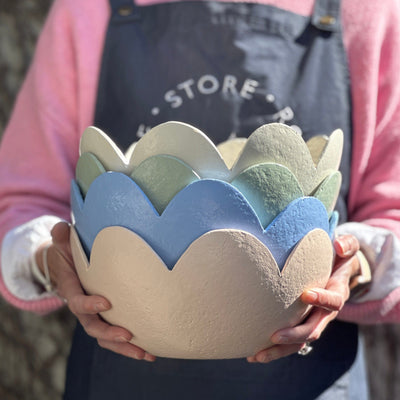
(129, 151)
(223, 299)
(328, 191)
(184, 142)
(95, 141)
(278, 143)
(230, 150)
(316, 145)
(275, 143)
(331, 154)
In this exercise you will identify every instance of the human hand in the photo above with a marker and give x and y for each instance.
(328, 302)
(85, 308)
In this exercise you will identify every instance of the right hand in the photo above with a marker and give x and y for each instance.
(86, 308)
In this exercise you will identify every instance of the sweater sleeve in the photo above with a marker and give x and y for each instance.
(372, 38)
(39, 149)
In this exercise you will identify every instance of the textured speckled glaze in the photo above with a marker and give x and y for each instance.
(203, 251)
(328, 190)
(116, 200)
(271, 143)
(280, 144)
(231, 149)
(223, 299)
(177, 139)
(161, 177)
(95, 141)
(316, 146)
(269, 188)
(88, 168)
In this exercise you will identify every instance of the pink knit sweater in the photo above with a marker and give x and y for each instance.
(56, 103)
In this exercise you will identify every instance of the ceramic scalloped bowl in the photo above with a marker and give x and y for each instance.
(202, 258)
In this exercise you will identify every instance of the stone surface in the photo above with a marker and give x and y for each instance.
(20, 24)
(382, 343)
(33, 353)
(33, 349)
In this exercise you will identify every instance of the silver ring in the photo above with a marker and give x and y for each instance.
(305, 350)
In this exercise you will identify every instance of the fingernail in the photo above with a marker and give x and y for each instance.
(280, 339)
(338, 245)
(265, 357)
(312, 295)
(139, 356)
(121, 339)
(345, 246)
(100, 307)
(149, 357)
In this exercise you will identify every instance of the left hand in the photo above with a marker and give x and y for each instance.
(85, 307)
(328, 302)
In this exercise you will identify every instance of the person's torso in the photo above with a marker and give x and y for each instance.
(226, 68)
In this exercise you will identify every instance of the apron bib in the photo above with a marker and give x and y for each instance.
(226, 68)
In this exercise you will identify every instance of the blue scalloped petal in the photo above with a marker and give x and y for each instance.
(333, 223)
(114, 199)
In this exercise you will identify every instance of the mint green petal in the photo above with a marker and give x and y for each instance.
(269, 188)
(328, 191)
(161, 177)
(88, 168)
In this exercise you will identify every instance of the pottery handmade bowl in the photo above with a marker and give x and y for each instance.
(202, 258)
(224, 297)
(310, 163)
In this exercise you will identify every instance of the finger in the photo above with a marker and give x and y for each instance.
(68, 284)
(346, 245)
(337, 290)
(60, 234)
(346, 268)
(276, 352)
(308, 331)
(83, 304)
(127, 350)
(60, 264)
(69, 287)
(94, 326)
(327, 299)
(339, 281)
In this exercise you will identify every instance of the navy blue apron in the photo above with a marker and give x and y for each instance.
(226, 68)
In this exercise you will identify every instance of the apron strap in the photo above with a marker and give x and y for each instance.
(326, 15)
(124, 11)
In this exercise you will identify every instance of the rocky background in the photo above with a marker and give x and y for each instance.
(33, 349)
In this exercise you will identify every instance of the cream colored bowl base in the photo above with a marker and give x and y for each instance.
(224, 298)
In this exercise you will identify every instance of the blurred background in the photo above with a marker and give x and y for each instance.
(34, 349)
